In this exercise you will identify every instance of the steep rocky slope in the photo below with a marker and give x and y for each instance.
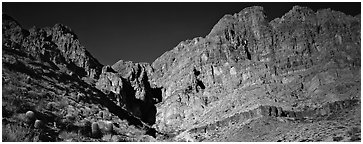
(129, 83)
(48, 72)
(57, 45)
(294, 78)
(301, 61)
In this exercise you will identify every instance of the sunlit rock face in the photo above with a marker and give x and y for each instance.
(302, 60)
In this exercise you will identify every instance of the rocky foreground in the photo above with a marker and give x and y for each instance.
(295, 78)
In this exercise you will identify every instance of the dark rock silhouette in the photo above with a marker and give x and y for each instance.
(57, 45)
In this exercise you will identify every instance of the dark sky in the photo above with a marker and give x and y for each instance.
(141, 32)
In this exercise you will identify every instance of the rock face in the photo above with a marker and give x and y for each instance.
(303, 60)
(299, 61)
(129, 84)
(57, 45)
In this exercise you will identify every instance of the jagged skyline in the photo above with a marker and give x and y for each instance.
(141, 32)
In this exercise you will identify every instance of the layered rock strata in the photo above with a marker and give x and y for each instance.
(302, 60)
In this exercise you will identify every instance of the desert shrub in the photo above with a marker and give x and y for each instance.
(106, 116)
(118, 138)
(8, 109)
(52, 106)
(86, 128)
(338, 138)
(68, 125)
(69, 136)
(107, 138)
(14, 100)
(40, 106)
(70, 117)
(17, 133)
(115, 138)
(147, 138)
(63, 103)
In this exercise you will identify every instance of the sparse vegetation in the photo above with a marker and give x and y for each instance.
(17, 133)
(44, 104)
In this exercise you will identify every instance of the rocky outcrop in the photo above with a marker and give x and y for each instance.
(298, 61)
(270, 111)
(57, 45)
(129, 84)
(73, 51)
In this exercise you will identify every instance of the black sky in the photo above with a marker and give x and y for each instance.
(141, 32)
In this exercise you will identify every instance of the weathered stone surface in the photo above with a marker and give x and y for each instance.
(129, 84)
(111, 82)
(246, 61)
(267, 111)
(73, 51)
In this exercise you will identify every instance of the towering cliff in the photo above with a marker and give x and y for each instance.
(303, 60)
